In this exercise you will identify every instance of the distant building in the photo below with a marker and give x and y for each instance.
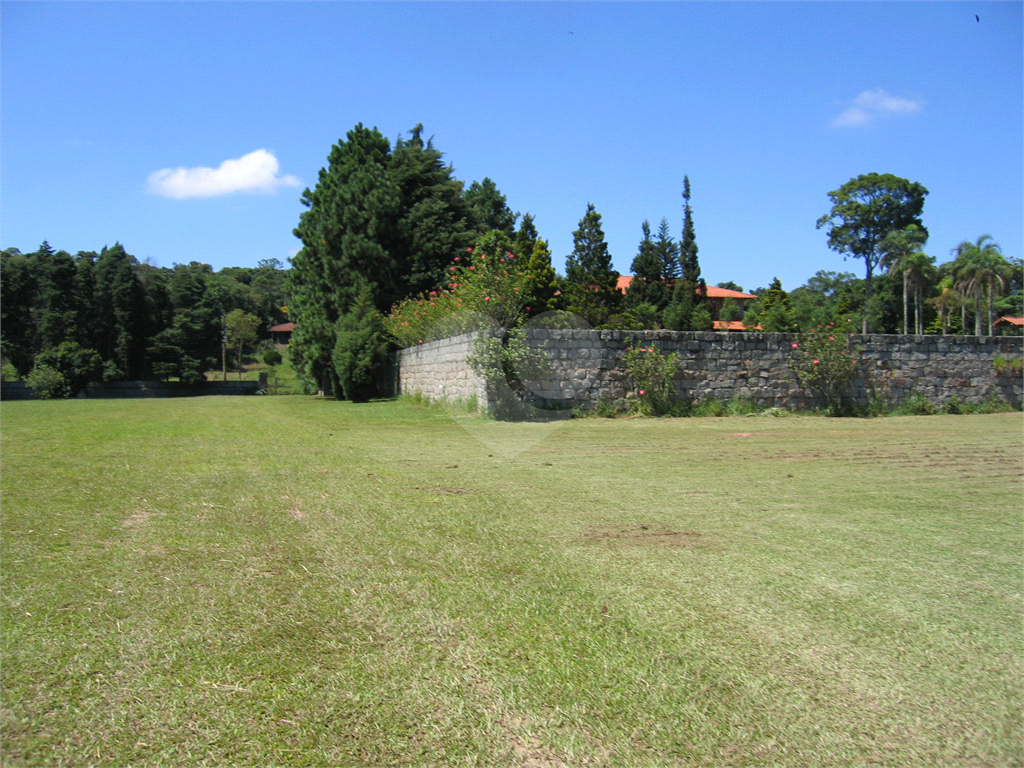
(1009, 326)
(716, 296)
(282, 334)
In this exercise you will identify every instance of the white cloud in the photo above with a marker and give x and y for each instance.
(255, 172)
(871, 104)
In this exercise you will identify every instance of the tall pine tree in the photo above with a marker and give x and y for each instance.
(657, 261)
(436, 222)
(667, 250)
(543, 280)
(394, 219)
(526, 238)
(489, 205)
(688, 243)
(590, 278)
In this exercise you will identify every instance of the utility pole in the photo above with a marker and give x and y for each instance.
(224, 346)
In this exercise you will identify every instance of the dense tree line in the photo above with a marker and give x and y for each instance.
(384, 232)
(107, 316)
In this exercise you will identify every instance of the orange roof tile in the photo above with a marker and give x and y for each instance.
(734, 325)
(1010, 321)
(283, 328)
(714, 292)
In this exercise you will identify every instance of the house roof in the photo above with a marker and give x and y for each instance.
(714, 292)
(734, 325)
(283, 328)
(1010, 321)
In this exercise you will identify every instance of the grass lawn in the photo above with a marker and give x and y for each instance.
(294, 581)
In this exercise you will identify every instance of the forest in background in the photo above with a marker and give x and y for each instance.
(383, 236)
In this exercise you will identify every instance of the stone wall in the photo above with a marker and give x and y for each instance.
(587, 365)
(438, 370)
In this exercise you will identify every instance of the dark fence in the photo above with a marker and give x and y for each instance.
(17, 390)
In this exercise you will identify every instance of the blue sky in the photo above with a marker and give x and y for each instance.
(766, 106)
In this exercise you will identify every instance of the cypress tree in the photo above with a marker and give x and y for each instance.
(678, 315)
(436, 222)
(360, 351)
(655, 262)
(526, 238)
(590, 276)
(394, 219)
(490, 208)
(543, 280)
(667, 250)
(690, 266)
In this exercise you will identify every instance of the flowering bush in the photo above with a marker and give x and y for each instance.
(487, 279)
(824, 361)
(652, 374)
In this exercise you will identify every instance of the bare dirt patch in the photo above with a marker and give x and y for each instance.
(646, 534)
(138, 517)
(297, 513)
(528, 751)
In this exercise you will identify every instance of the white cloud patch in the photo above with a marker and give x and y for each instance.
(255, 172)
(872, 104)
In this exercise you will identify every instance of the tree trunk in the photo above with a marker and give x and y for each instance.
(867, 298)
(906, 329)
(977, 312)
(990, 307)
(918, 320)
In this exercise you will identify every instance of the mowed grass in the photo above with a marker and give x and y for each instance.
(293, 581)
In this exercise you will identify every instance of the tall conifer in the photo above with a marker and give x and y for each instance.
(688, 243)
(590, 277)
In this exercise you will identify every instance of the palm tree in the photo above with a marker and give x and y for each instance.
(983, 268)
(918, 271)
(949, 299)
(897, 249)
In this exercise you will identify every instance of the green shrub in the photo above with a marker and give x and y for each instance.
(604, 408)
(8, 372)
(46, 382)
(953, 406)
(825, 362)
(740, 406)
(272, 357)
(916, 405)
(708, 407)
(111, 372)
(701, 319)
(993, 405)
(653, 376)
(76, 364)
(1007, 367)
